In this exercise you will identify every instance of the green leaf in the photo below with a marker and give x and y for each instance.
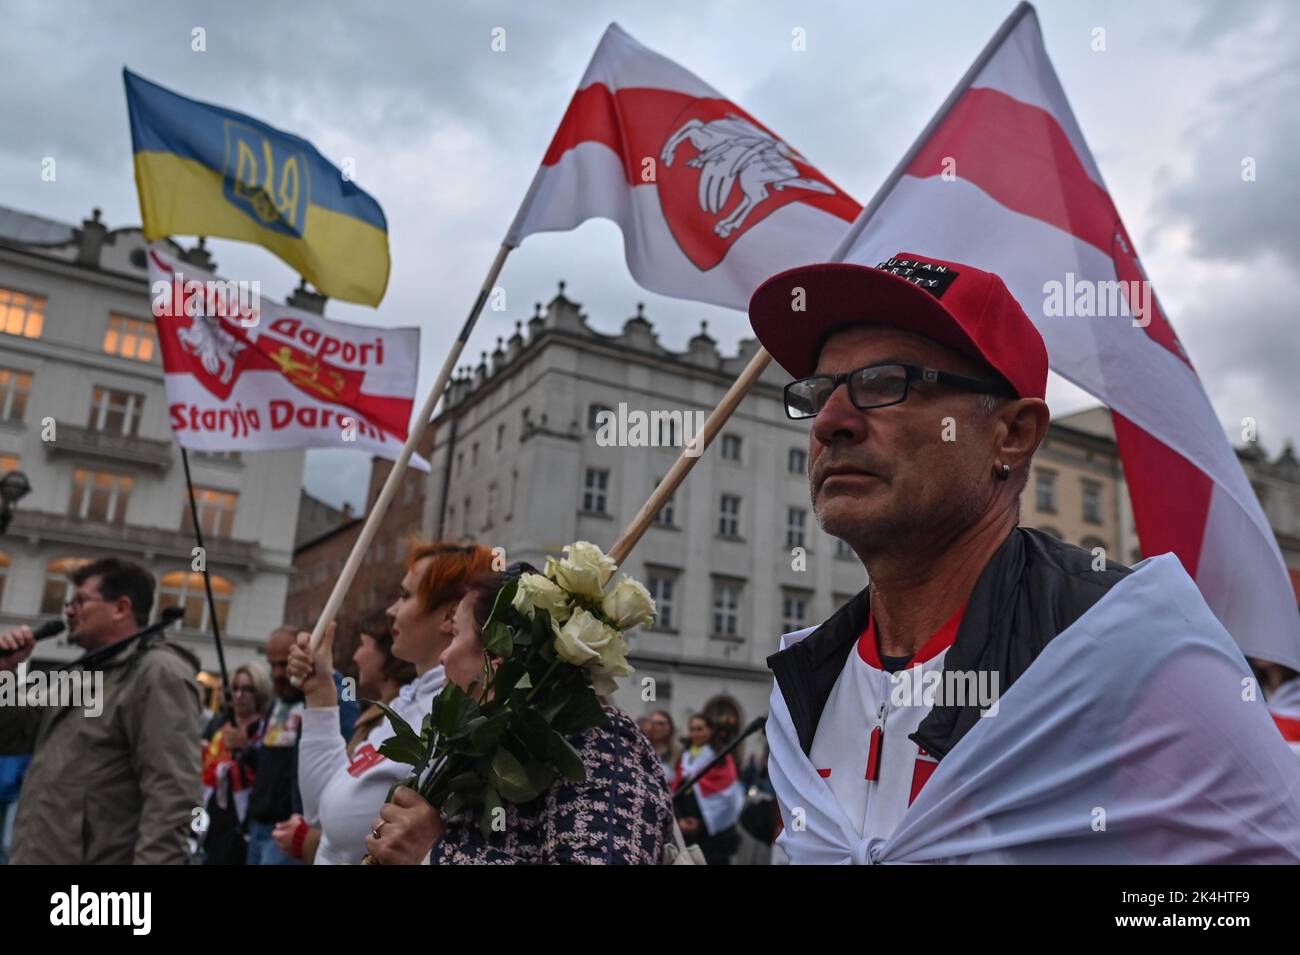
(464, 782)
(566, 758)
(402, 750)
(533, 731)
(501, 606)
(540, 775)
(454, 710)
(508, 676)
(401, 728)
(487, 733)
(498, 640)
(510, 778)
(583, 712)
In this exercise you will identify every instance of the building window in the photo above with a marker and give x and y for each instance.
(796, 518)
(216, 512)
(185, 590)
(796, 461)
(21, 314)
(460, 463)
(730, 447)
(1045, 491)
(233, 457)
(664, 517)
(843, 551)
(491, 506)
(667, 431)
(8, 462)
(58, 586)
(595, 489)
(131, 338)
(662, 585)
(593, 415)
(4, 573)
(464, 517)
(117, 412)
(729, 516)
(15, 386)
(726, 608)
(473, 455)
(100, 496)
(1091, 501)
(794, 610)
(501, 436)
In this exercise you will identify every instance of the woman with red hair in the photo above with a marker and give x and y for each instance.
(341, 793)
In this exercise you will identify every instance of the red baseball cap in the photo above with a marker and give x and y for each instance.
(953, 304)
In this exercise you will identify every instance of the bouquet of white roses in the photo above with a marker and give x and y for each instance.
(559, 638)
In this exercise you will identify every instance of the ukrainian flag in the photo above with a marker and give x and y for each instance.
(204, 170)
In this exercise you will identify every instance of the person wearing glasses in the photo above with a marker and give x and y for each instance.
(115, 783)
(922, 382)
(227, 781)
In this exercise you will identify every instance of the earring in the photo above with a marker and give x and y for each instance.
(1004, 473)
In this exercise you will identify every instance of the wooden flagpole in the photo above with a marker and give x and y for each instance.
(389, 490)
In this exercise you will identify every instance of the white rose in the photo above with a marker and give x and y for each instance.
(585, 570)
(613, 663)
(582, 638)
(629, 604)
(538, 593)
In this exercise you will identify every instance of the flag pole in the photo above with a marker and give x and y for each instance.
(690, 454)
(1023, 9)
(386, 494)
(227, 700)
(742, 385)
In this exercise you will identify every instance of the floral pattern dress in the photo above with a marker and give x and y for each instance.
(620, 815)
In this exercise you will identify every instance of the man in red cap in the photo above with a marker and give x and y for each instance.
(924, 383)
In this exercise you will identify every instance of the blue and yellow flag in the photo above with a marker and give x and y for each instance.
(204, 170)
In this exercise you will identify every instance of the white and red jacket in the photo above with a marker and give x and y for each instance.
(862, 748)
(341, 795)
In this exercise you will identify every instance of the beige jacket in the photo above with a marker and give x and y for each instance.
(120, 787)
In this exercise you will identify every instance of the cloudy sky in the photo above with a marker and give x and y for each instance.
(446, 134)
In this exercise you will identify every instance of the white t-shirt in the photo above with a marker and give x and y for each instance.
(861, 747)
(344, 796)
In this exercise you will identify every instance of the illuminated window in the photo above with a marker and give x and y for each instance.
(8, 462)
(216, 512)
(131, 338)
(117, 412)
(185, 590)
(15, 386)
(21, 314)
(4, 574)
(100, 496)
(58, 586)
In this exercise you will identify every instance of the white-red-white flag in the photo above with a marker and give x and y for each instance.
(710, 201)
(245, 374)
(1005, 182)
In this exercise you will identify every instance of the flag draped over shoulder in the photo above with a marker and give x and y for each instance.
(245, 376)
(204, 170)
(709, 200)
(1006, 182)
(1134, 737)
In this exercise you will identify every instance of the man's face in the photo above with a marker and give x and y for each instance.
(93, 621)
(886, 477)
(277, 658)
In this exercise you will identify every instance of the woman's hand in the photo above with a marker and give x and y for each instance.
(284, 832)
(689, 825)
(314, 673)
(408, 828)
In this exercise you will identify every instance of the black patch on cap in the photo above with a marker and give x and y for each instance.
(935, 279)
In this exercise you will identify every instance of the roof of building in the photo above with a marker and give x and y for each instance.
(23, 228)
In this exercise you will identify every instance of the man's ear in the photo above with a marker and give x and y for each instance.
(1025, 423)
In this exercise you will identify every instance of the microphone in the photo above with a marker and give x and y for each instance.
(50, 628)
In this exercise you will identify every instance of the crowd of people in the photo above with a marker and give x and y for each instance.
(289, 771)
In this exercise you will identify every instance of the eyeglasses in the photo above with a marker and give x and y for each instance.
(236, 690)
(80, 600)
(876, 386)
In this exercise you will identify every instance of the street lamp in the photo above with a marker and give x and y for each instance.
(14, 486)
